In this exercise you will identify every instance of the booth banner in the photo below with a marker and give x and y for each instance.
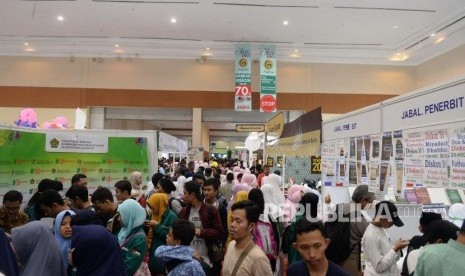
(343, 162)
(243, 80)
(24, 161)
(183, 147)
(398, 167)
(280, 161)
(375, 161)
(457, 157)
(386, 153)
(328, 163)
(306, 144)
(270, 161)
(440, 106)
(316, 164)
(69, 142)
(268, 64)
(436, 158)
(167, 143)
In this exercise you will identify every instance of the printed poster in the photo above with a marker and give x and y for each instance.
(414, 159)
(436, 158)
(457, 157)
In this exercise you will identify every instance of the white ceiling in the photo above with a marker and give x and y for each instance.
(342, 31)
(324, 31)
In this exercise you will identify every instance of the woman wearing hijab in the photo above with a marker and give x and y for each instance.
(256, 195)
(457, 213)
(8, 265)
(250, 179)
(294, 195)
(131, 237)
(95, 252)
(235, 189)
(274, 197)
(161, 220)
(37, 250)
(309, 202)
(137, 191)
(63, 231)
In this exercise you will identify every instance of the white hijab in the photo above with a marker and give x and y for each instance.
(272, 194)
(457, 213)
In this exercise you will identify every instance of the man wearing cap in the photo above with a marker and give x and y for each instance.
(443, 259)
(380, 255)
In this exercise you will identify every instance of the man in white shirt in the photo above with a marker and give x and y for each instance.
(380, 255)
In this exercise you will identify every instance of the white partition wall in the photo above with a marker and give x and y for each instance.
(413, 140)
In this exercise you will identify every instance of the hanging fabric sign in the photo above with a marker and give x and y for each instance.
(243, 88)
(267, 78)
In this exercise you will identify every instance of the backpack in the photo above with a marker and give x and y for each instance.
(170, 204)
(338, 232)
(264, 237)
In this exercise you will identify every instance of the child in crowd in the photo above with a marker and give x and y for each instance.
(176, 256)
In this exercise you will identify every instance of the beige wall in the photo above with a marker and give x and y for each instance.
(11, 114)
(214, 75)
(443, 67)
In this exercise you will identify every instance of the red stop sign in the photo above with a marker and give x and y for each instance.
(268, 103)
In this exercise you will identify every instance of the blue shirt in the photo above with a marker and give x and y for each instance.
(300, 268)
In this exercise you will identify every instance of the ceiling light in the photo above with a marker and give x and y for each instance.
(173, 20)
(395, 26)
(294, 55)
(26, 44)
(116, 45)
(296, 50)
(439, 40)
(60, 18)
(285, 23)
(432, 35)
(29, 50)
(399, 57)
(208, 49)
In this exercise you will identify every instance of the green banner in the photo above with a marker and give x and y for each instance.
(268, 101)
(24, 161)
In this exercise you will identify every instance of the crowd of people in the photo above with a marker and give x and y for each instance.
(216, 218)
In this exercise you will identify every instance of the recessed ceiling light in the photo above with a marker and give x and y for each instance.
(29, 50)
(296, 50)
(433, 35)
(173, 20)
(294, 55)
(439, 40)
(395, 26)
(116, 45)
(285, 23)
(208, 49)
(26, 44)
(399, 57)
(60, 18)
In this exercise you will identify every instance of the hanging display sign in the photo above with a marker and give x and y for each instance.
(243, 83)
(270, 161)
(268, 78)
(316, 164)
